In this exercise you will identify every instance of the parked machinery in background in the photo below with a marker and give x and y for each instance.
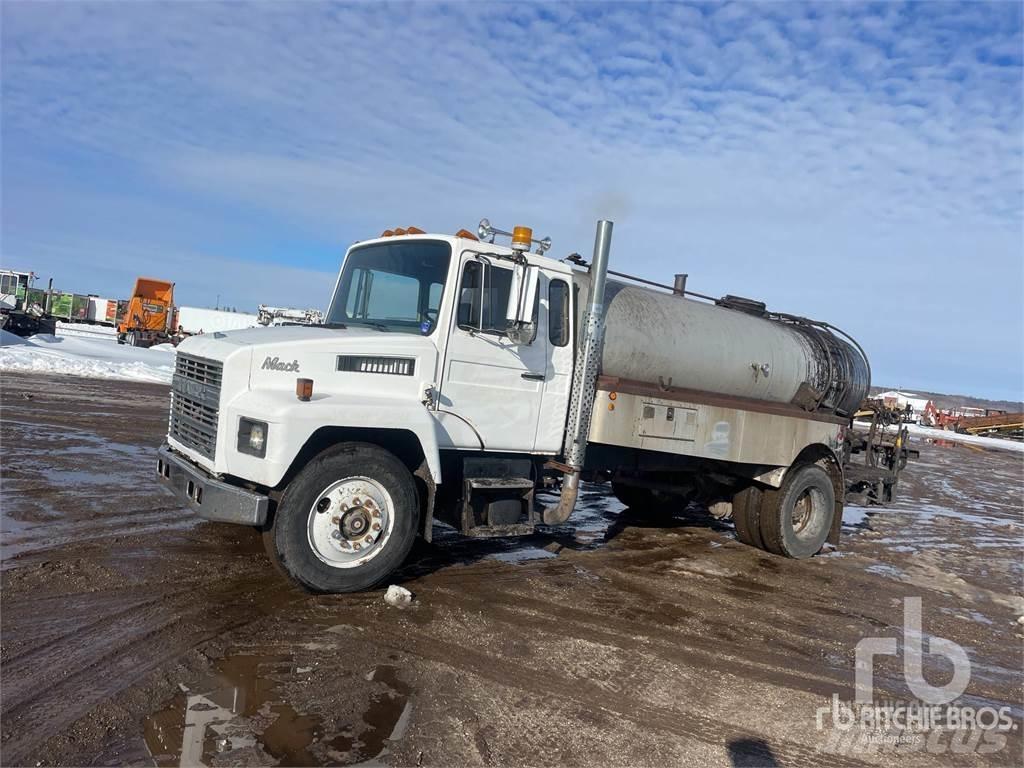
(23, 309)
(148, 318)
(874, 457)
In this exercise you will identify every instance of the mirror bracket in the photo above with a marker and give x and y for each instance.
(522, 296)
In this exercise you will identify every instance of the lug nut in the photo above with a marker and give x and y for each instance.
(376, 526)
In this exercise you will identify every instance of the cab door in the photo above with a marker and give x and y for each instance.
(556, 323)
(491, 382)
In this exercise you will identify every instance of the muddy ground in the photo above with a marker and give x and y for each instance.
(133, 633)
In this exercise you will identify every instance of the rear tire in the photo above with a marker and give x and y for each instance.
(795, 519)
(746, 516)
(347, 520)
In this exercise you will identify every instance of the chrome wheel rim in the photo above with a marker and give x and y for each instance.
(350, 522)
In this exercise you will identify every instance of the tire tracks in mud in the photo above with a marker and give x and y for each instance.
(669, 642)
(632, 595)
(63, 680)
(28, 623)
(548, 685)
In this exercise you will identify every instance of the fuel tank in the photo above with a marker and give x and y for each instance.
(730, 347)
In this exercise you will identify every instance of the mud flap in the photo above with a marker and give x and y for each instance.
(837, 524)
(427, 504)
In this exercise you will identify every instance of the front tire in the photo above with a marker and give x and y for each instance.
(347, 520)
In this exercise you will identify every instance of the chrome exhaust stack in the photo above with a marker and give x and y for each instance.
(584, 383)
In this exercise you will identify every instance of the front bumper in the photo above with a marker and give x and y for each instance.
(209, 498)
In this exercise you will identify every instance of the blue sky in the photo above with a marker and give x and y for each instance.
(857, 163)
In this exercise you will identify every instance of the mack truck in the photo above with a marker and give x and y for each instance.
(467, 380)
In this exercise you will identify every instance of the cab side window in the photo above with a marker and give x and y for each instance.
(483, 297)
(558, 313)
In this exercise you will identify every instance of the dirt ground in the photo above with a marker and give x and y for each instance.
(133, 633)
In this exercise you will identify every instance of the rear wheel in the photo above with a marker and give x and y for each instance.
(746, 516)
(347, 520)
(795, 519)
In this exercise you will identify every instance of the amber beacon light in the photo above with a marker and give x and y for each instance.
(522, 238)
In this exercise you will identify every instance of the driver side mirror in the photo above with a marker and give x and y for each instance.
(521, 298)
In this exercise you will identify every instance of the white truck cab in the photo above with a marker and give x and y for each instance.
(454, 376)
(431, 344)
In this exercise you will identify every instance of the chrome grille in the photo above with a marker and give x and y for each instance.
(199, 369)
(195, 403)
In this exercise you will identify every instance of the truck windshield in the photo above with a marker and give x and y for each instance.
(393, 286)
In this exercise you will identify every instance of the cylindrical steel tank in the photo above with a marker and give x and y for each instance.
(676, 342)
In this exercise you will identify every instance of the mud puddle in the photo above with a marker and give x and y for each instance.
(240, 715)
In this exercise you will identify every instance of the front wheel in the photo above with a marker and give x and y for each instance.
(347, 520)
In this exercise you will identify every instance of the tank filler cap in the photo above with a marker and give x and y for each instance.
(742, 304)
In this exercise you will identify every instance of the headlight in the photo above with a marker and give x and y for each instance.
(252, 437)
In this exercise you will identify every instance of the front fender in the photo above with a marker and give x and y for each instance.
(291, 423)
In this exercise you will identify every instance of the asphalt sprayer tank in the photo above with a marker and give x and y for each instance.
(730, 347)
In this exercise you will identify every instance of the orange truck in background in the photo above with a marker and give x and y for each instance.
(148, 318)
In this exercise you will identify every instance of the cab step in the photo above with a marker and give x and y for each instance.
(497, 497)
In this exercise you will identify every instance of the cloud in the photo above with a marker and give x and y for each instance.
(823, 157)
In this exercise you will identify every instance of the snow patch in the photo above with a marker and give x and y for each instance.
(854, 515)
(88, 357)
(87, 331)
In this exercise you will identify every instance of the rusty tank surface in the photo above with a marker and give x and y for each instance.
(733, 347)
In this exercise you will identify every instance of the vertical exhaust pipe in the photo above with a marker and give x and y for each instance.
(679, 286)
(584, 384)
